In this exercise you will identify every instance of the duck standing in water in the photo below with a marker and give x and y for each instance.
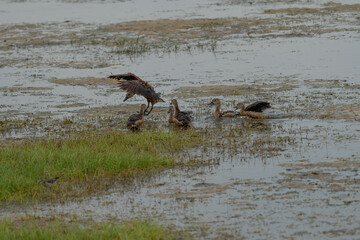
(132, 84)
(182, 120)
(254, 110)
(136, 120)
(218, 113)
(180, 114)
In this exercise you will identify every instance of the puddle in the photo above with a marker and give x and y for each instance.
(292, 176)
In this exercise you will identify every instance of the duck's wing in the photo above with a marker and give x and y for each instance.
(126, 76)
(132, 119)
(131, 83)
(257, 106)
(184, 117)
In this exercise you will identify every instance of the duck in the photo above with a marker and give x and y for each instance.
(178, 113)
(136, 120)
(254, 110)
(218, 113)
(182, 120)
(133, 84)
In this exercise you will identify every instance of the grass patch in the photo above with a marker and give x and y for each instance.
(41, 228)
(84, 159)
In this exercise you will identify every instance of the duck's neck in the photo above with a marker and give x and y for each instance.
(171, 117)
(142, 112)
(217, 112)
(177, 109)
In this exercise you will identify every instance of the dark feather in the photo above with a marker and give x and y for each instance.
(257, 106)
(132, 119)
(133, 84)
(126, 76)
(184, 117)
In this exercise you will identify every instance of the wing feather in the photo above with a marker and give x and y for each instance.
(132, 119)
(131, 83)
(258, 106)
(184, 117)
(126, 76)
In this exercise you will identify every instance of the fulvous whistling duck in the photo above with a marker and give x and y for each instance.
(132, 84)
(217, 113)
(182, 120)
(48, 182)
(254, 110)
(178, 113)
(136, 120)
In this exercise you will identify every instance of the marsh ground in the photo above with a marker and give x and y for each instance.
(292, 176)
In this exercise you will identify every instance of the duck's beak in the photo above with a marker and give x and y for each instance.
(126, 98)
(211, 103)
(169, 110)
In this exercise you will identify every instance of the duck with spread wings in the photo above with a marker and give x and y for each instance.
(132, 84)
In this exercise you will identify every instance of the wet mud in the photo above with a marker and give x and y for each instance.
(293, 175)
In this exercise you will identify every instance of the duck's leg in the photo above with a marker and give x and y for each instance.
(146, 108)
(147, 113)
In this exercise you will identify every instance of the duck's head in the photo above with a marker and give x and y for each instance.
(240, 106)
(174, 102)
(215, 102)
(128, 95)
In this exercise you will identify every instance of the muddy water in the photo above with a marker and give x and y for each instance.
(308, 189)
(292, 176)
(260, 62)
(96, 11)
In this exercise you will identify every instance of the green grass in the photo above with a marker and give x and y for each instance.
(43, 229)
(84, 160)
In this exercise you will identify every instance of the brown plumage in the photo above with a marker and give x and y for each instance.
(218, 113)
(254, 110)
(48, 182)
(136, 120)
(132, 84)
(182, 119)
(178, 113)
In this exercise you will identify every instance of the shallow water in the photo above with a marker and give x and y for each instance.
(301, 183)
(278, 61)
(90, 11)
(242, 194)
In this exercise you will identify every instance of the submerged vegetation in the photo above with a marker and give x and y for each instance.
(81, 160)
